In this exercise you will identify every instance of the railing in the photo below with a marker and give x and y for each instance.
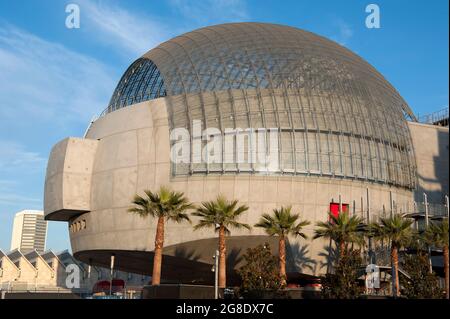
(381, 256)
(435, 117)
(434, 210)
(437, 210)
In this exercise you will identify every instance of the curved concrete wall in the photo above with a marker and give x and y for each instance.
(129, 149)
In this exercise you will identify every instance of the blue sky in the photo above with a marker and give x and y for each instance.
(53, 80)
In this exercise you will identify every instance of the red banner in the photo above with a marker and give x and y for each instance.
(334, 209)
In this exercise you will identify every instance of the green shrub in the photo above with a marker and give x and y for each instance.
(260, 277)
(343, 283)
(422, 284)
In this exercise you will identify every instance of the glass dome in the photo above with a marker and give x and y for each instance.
(337, 116)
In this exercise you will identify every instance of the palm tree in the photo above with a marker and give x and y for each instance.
(343, 229)
(163, 205)
(399, 232)
(221, 214)
(282, 224)
(437, 235)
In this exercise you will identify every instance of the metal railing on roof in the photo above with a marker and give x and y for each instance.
(435, 211)
(436, 118)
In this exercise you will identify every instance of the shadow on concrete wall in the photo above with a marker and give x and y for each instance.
(330, 253)
(297, 259)
(441, 173)
(184, 252)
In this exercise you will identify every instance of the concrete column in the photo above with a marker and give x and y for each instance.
(391, 204)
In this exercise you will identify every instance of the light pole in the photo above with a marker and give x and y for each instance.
(371, 257)
(89, 269)
(216, 267)
(425, 201)
(216, 274)
(447, 206)
(111, 273)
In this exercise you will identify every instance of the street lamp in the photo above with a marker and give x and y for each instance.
(111, 273)
(215, 269)
(427, 213)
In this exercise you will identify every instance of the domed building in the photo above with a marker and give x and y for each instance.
(267, 114)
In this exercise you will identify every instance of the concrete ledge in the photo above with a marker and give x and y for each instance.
(68, 178)
(40, 295)
(64, 214)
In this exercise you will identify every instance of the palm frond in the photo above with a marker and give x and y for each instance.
(164, 203)
(341, 228)
(220, 212)
(282, 222)
(437, 234)
(395, 228)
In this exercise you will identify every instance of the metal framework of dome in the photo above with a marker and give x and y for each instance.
(337, 116)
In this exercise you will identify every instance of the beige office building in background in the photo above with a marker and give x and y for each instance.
(29, 231)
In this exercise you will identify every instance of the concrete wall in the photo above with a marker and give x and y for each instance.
(132, 154)
(27, 273)
(46, 276)
(59, 271)
(68, 178)
(8, 271)
(430, 143)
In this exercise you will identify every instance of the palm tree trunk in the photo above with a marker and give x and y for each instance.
(222, 258)
(282, 258)
(157, 259)
(394, 260)
(445, 250)
(341, 249)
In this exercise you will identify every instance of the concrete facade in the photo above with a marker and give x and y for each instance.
(67, 186)
(132, 154)
(430, 144)
(342, 136)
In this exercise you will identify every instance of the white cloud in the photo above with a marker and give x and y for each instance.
(9, 196)
(14, 156)
(212, 11)
(15, 199)
(133, 32)
(6, 184)
(42, 80)
(345, 32)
